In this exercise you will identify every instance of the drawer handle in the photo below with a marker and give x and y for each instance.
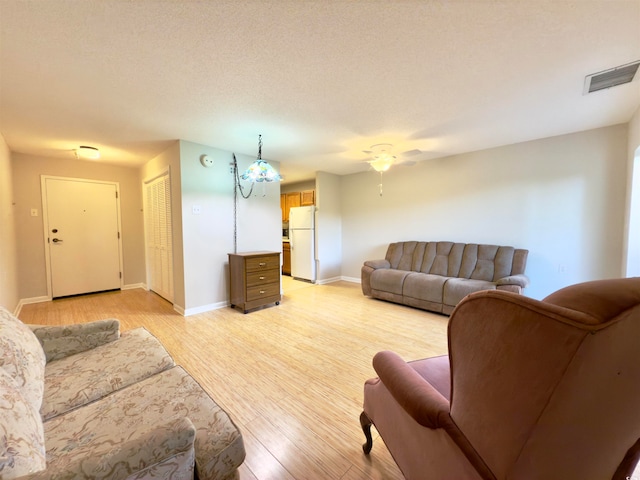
(262, 292)
(263, 264)
(262, 278)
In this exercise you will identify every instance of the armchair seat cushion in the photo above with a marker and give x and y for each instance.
(169, 396)
(76, 380)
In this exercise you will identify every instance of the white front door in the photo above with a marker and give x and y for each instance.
(82, 235)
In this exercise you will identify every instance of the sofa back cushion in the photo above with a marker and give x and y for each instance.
(450, 259)
(21, 432)
(22, 357)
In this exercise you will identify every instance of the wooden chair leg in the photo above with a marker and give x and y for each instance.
(365, 423)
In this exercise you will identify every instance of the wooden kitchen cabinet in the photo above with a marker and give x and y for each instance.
(307, 197)
(291, 199)
(286, 258)
(254, 279)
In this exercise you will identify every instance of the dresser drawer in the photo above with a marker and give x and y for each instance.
(263, 291)
(263, 263)
(262, 277)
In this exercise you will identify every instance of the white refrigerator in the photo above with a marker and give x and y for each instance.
(302, 243)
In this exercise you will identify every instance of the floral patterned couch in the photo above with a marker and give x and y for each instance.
(85, 401)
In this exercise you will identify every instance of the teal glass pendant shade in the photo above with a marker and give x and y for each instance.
(260, 171)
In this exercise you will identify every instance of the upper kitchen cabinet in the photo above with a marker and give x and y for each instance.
(307, 197)
(288, 201)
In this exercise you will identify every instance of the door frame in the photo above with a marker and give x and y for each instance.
(45, 224)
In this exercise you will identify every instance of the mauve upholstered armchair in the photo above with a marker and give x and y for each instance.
(529, 390)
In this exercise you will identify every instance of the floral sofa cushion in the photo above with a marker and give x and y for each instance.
(21, 433)
(93, 430)
(76, 380)
(64, 340)
(22, 357)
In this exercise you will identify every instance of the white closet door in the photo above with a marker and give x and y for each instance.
(159, 244)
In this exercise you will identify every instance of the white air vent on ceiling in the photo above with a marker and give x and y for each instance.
(610, 78)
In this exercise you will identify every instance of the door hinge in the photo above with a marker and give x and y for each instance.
(120, 275)
(118, 234)
(116, 194)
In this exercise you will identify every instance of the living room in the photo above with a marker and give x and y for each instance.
(564, 192)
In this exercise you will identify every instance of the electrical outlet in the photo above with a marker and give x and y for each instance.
(34, 212)
(196, 209)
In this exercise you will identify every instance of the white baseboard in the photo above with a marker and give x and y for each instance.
(351, 279)
(28, 301)
(131, 286)
(202, 309)
(324, 281)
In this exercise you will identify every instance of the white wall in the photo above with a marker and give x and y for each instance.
(27, 170)
(8, 265)
(632, 230)
(208, 236)
(562, 198)
(329, 227)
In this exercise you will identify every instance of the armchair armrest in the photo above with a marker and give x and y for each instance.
(375, 264)
(520, 280)
(168, 441)
(415, 395)
(63, 341)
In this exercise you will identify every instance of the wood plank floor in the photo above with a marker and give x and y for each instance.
(290, 376)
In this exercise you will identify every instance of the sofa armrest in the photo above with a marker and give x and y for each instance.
(521, 280)
(63, 341)
(414, 394)
(375, 264)
(135, 456)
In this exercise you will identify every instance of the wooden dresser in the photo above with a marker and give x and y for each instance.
(255, 279)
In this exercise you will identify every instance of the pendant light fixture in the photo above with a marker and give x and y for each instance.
(259, 171)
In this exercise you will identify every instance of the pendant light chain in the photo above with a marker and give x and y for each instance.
(236, 187)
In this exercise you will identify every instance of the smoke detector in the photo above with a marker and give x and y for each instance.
(610, 78)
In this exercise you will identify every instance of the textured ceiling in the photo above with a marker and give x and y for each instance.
(320, 80)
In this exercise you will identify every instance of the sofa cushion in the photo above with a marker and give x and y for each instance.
(21, 434)
(88, 376)
(457, 288)
(424, 286)
(65, 340)
(92, 431)
(22, 357)
(388, 280)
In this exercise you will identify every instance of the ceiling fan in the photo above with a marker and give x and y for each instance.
(383, 157)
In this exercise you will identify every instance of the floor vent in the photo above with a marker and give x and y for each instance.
(610, 78)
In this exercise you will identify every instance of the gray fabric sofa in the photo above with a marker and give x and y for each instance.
(85, 401)
(435, 276)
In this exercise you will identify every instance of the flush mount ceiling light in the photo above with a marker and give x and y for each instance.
(87, 153)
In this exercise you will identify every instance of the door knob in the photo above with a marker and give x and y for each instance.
(56, 240)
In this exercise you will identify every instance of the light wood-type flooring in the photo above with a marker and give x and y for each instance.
(290, 376)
